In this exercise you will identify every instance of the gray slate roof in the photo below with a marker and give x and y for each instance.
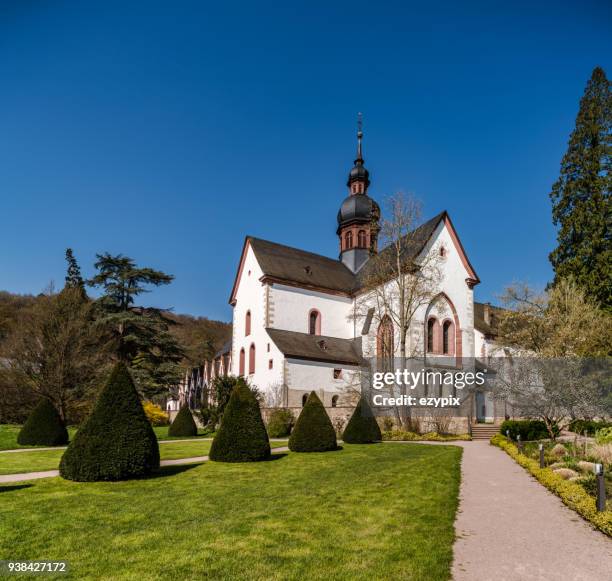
(317, 347)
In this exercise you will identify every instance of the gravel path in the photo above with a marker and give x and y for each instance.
(510, 527)
(8, 478)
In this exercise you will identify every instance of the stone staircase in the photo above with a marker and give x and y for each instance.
(484, 431)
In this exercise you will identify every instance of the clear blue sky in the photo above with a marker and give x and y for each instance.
(169, 130)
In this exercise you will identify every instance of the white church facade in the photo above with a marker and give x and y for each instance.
(304, 322)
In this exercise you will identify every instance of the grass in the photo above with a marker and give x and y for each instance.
(365, 512)
(18, 462)
(8, 435)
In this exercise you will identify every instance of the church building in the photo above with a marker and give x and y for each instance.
(304, 322)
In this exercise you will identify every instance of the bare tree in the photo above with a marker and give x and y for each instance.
(400, 280)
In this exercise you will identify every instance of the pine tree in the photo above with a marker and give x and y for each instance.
(183, 425)
(313, 431)
(242, 436)
(116, 442)
(362, 428)
(73, 274)
(139, 336)
(581, 197)
(44, 427)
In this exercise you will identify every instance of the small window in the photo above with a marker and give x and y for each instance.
(442, 251)
(241, 363)
(361, 239)
(348, 240)
(268, 347)
(270, 364)
(431, 330)
(304, 399)
(252, 359)
(314, 322)
(334, 401)
(337, 373)
(447, 338)
(247, 324)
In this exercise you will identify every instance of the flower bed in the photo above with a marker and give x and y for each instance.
(571, 493)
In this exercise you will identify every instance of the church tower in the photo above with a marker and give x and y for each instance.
(358, 215)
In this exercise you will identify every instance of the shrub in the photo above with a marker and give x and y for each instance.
(280, 423)
(587, 427)
(183, 425)
(571, 492)
(44, 427)
(565, 473)
(362, 428)
(403, 436)
(527, 429)
(116, 442)
(242, 436)
(155, 414)
(313, 431)
(559, 450)
(604, 436)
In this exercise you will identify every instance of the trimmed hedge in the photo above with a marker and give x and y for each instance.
(588, 427)
(362, 428)
(571, 493)
(313, 431)
(44, 427)
(527, 429)
(116, 442)
(242, 436)
(183, 425)
(280, 423)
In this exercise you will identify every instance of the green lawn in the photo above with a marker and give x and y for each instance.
(16, 462)
(366, 512)
(8, 435)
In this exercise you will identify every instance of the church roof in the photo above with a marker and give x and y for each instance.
(291, 266)
(317, 347)
(480, 323)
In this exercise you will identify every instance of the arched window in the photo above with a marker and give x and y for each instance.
(241, 363)
(447, 338)
(334, 401)
(384, 343)
(431, 332)
(314, 322)
(252, 358)
(247, 324)
(304, 399)
(361, 239)
(348, 240)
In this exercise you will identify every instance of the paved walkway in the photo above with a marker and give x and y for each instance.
(9, 478)
(510, 527)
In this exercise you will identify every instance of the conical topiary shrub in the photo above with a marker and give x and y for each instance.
(183, 424)
(313, 431)
(44, 427)
(242, 436)
(116, 442)
(362, 427)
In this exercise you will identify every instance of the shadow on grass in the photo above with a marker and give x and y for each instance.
(165, 471)
(16, 487)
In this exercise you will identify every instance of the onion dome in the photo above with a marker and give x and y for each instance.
(358, 208)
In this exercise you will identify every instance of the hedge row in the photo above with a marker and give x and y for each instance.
(571, 493)
(588, 427)
(527, 429)
(402, 436)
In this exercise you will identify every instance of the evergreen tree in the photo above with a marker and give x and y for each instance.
(44, 427)
(183, 425)
(139, 336)
(242, 436)
(581, 197)
(313, 431)
(73, 274)
(116, 442)
(362, 428)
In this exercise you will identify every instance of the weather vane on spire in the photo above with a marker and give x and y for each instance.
(359, 135)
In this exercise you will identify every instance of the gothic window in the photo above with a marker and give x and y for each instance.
(384, 343)
(314, 322)
(361, 239)
(252, 358)
(247, 324)
(447, 338)
(241, 363)
(348, 240)
(431, 332)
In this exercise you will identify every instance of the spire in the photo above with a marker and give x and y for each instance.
(359, 137)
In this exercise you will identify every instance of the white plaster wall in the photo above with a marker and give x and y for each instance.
(290, 308)
(252, 295)
(319, 377)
